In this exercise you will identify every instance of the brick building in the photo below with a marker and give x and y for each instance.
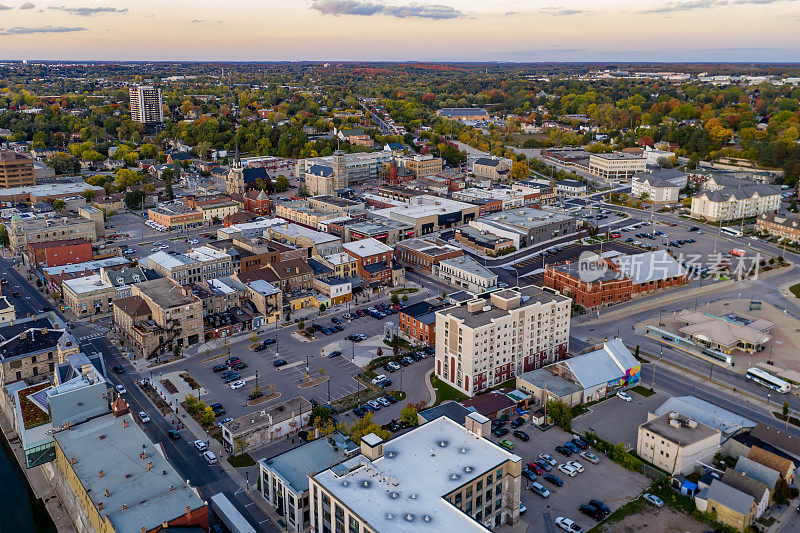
(58, 253)
(175, 216)
(418, 322)
(423, 254)
(375, 262)
(16, 170)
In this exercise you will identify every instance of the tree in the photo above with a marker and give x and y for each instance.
(208, 417)
(409, 415)
(3, 235)
(133, 199)
(88, 195)
(301, 325)
(560, 413)
(191, 404)
(322, 308)
(405, 297)
(281, 184)
(64, 163)
(59, 205)
(395, 299)
(365, 426)
(167, 176)
(793, 205)
(520, 170)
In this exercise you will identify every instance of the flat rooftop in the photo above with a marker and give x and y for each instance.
(165, 293)
(683, 435)
(530, 295)
(51, 189)
(87, 284)
(403, 490)
(138, 496)
(428, 247)
(367, 247)
(469, 265)
(295, 230)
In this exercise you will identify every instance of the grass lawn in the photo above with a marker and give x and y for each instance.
(795, 290)
(445, 392)
(241, 460)
(642, 391)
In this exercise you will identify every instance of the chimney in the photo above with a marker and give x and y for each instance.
(188, 512)
(124, 506)
(124, 423)
(100, 473)
(107, 493)
(100, 505)
(149, 465)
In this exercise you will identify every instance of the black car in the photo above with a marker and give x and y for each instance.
(239, 366)
(219, 368)
(335, 353)
(15, 294)
(259, 348)
(215, 406)
(337, 327)
(385, 383)
(554, 479)
(496, 423)
(521, 435)
(359, 412)
(388, 368)
(517, 422)
(580, 444)
(600, 505)
(529, 474)
(592, 511)
(267, 342)
(391, 399)
(279, 363)
(416, 357)
(563, 450)
(500, 431)
(174, 434)
(544, 465)
(336, 320)
(118, 369)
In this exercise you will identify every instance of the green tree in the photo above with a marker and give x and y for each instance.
(64, 163)
(208, 417)
(88, 195)
(409, 415)
(59, 205)
(322, 308)
(395, 299)
(365, 426)
(560, 413)
(301, 325)
(133, 199)
(167, 175)
(3, 235)
(405, 297)
(281, 184)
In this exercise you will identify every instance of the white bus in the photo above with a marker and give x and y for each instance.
(768, 380)
(732, 232)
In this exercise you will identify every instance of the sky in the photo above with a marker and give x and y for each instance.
(402, 30)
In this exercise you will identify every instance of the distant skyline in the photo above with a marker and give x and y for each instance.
(400, 30)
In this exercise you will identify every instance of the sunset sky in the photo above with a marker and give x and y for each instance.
(440, 30)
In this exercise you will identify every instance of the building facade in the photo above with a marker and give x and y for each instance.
(617, 165)
(676, 443)
(146, 105)
(486, 341)
(779, 226)
(733, 203)
(424, 254)
(466, 273)
(87, 296)
(654, 189)
(16, 170)
(33, 230)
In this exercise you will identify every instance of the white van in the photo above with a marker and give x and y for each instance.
(210, 457)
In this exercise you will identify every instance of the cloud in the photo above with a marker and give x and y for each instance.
(88, 11)
(27, 5)
(366, 9)
(21, 30)
(204, 21)
(509, 13)
(759, 1)
(558, 12)
(672, 7)
(4, 8)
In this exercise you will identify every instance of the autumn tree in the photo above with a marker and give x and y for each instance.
(520, 170)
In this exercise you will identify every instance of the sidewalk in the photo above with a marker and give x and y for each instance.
(782, 517)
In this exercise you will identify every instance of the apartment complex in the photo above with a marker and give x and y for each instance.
(22, 232)
(157, 317)
(677, 443)
(654, 189)
(197, 264)
(175, 215)
(401, 485)
(779, 226)
(736, 201)
(16, 170)
(146, 104)
(485, 341)
(617, 165)
(421, 166)
(418, 322)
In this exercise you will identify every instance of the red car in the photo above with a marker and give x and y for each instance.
(615, 235)
(536, 468)
(361, 313)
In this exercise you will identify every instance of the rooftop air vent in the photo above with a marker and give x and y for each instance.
(463, 450)
(394, 495)
(366, 484)
(409, 517)
(442, 444)
(455, 477)
(389, 516)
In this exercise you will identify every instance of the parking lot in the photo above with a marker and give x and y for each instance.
(605, 481)
(615, 420)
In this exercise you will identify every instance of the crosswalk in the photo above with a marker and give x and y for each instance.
(91, 337)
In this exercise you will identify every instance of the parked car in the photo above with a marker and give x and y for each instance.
(219, 368)
(279, 363)
(536, 468)
(528, 474)
(652, 498)
(385, 383)
(517, 422)
(592, 511)
(121, 389)
(522, 508)
(335, 353)
(568, 470)
(580, 443)
(377, 379)
(143, 417)
(563, 450)
(521, 435)
(391, 398)
(600, 505)
(336, 320)
(624, 395)
(237, 385)
(500, 431)
(554, 479)
(576, 465)
(547, 459)
(232, 377)
(200, 445)
(568, 525)
(589, 456)
(540, 489)
(384, 402)
(543, 464)
(572, 447)
(375, 405)
(507, 444)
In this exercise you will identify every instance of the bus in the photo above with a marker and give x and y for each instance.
(731, 231)
(768, 380)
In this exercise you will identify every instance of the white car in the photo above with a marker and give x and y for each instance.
(624, 395)
(384, 402)
(377, 379)
(143, 417)
(237, 385)
(210, 457)
(393, 365)
(652, 498)
(568, 470)
(200, 445)
(568, 525)
(547, 459)
(121, 389)
(589, 456)
(576, 465)
(193, 241)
